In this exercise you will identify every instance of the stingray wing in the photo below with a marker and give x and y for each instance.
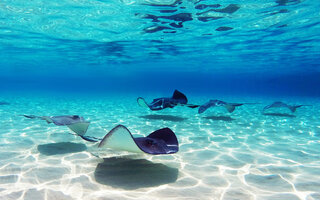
(79, 128)
(142, 102)
(164, 142)
(180, 97)
(66, 120)
(120, 138)
(232, 106)
(205, 106)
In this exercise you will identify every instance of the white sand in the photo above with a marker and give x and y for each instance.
(243, 155)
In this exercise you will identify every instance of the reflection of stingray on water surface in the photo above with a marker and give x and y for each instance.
(61, 148)
(132, 174)
(164, 117)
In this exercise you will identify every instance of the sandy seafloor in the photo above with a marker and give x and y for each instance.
(243, 155)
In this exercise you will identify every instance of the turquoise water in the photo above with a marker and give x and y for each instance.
(94, 58)
(243, 155)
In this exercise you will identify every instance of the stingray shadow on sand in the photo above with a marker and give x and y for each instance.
(164, 117)
(220, 118)
(130, 174)
(279, 115)
(61, 148)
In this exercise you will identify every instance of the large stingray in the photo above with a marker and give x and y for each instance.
(177, 99)
(217, 103)
(279, 104)
(74, 122)
(162, 141)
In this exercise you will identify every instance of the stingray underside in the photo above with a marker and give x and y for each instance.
(74, 122)
(142, 102)
(279, 104)
(232, 106)
(79, 128)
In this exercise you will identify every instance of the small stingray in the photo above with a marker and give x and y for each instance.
(217, 103)
(279, 104)
(4, 103)
(74, 122)
(178, 99)
(162, 141)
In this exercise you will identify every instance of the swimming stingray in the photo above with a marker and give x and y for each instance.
(177, 99)
(74, 122)
(4, 103)
(162, 141)
(217, 103)
(279, 104)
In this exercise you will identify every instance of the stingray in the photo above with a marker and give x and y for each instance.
(279, 104)
(75, 123)
(4, 103)
(177, 99)
(217, 103)
(162, 141)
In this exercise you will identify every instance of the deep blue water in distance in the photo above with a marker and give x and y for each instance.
(232, 83)
(249, 47)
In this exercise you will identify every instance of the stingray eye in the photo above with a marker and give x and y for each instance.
(75, 117)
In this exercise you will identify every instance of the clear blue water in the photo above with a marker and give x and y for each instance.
(273, 45)
(94, 58)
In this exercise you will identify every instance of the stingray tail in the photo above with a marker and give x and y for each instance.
(90, 139)
(31, 116)
(251, 103)
(46, 118)
(189, 105)
(180, 97)
(192, 106)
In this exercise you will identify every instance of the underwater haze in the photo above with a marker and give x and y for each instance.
(94, 58)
